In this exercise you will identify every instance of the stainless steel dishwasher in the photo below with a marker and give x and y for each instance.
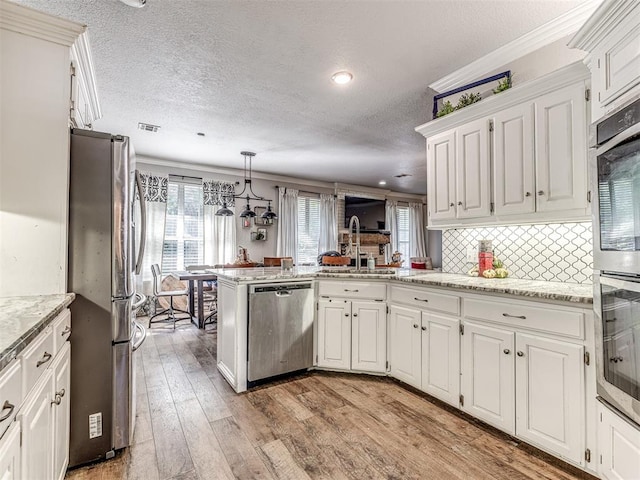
(280, 336)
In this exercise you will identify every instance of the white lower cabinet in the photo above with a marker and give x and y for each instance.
(425, 351)
(352, 335)
(36, 419)
(550, 395)
(10, 454)
(488, 380)
(618, 445)
(36, 444)
(61, 411)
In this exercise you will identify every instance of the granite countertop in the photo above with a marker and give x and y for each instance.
(565, 292)
(23, 318)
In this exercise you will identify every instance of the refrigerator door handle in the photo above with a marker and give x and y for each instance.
(136, 345)
(143, 221)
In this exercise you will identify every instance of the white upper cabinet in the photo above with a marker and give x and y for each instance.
(516, 157)
(561, 149)
(473, 184)
(441, 176)
(513, 160)
(612, 38)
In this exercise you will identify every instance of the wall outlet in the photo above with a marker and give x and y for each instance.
(472, 255)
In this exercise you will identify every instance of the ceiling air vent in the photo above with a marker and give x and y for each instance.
(147, 127)
(401, 175)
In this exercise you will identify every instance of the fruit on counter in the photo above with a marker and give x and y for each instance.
(489, 273)
(497, 263)
(474, 271)
(502, 273)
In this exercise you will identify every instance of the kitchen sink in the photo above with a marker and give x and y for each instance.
(362, 271)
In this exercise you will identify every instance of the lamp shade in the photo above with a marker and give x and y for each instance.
(224, 211)
(247, 212)
(269, 214)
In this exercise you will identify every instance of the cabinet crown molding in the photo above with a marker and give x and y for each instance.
(603, 22)
(565, 76)
(27, 21)
(551, 31)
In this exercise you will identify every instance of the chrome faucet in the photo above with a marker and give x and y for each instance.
(356, 220)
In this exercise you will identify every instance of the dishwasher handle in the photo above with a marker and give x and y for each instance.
(284, 293)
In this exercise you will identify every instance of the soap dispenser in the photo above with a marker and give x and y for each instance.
(371, 262)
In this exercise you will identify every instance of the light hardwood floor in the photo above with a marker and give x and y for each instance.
(191, 425)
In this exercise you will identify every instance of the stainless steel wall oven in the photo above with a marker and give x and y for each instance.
(615, 169)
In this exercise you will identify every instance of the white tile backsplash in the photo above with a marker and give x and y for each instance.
(560, 252)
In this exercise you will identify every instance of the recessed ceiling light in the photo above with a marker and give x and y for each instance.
(341, 77)
(382, 182)
(200, 134)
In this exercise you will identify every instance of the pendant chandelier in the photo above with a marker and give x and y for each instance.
(247, 194)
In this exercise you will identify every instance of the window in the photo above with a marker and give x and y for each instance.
(402, 218)
(184, 231)
(308, 229)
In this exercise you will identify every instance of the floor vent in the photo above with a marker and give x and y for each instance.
(147, 127)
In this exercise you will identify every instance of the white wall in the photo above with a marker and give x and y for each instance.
(34, 155)
(263, 185)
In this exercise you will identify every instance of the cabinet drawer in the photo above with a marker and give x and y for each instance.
(542, 318)
(35, 359)
(374, 291)
(61, 330)
(426, 299)
(10, 394)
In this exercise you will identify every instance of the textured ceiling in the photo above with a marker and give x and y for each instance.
(255, 75)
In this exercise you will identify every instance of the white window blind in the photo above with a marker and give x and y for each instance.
(184, 229)
(308, 229)
(402, 217)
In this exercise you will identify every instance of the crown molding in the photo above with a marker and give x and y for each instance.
(81, 53)
(27, 21)
(560, 27)
(563, 77)
(603, 21)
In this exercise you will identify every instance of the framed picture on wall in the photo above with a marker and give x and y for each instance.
(258, 220)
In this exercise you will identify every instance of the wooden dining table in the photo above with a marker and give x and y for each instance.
(197, 278)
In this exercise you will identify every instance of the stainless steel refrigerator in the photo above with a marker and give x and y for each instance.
(103, 260)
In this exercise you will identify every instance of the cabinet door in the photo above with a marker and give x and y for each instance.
(441, 357)
(61, 373)
(405, 345)
(473, 184)
(513, 161)
(10, 454)
(334, 334)
(36, 422)
(618, 446)
(441, 176)
(369, 336)
(550, 395)
(561, 150)
(488, 375)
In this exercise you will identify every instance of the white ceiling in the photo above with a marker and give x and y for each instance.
(255, 75)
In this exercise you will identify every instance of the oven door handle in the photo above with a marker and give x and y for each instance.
(619, 138)
(631, 285)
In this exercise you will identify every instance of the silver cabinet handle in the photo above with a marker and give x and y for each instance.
(506, 351)
(521, 317)
(616, 359)
(528, 194)
(520, 354)
(58, 397)
(452, 204)
(540, 192)
(45, 358)
(459, 203)
(7, 406)
(347, 290)
(355, 314)
(424, 329)
(346, 314)
(420, 299)
(66, 330)
(415, 325)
